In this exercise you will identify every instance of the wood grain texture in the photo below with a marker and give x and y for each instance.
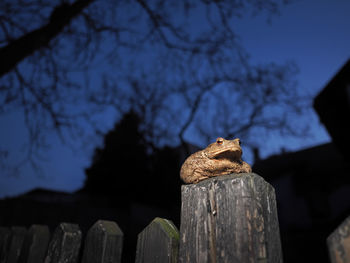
(339, 243)
(158, 242)
(103, 243)
(230, 218)
(35, 244)
(65, 244)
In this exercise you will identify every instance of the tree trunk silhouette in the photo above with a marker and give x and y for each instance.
(26, 45)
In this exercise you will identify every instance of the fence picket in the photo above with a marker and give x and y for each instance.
(65, 244)
(16, 241)
(35, 244)
(229, 219)
(103, 243)
(5, 234)
(158, 242)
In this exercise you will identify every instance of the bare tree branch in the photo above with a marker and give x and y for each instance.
(24, 46)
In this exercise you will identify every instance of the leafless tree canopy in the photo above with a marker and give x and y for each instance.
(178, 64)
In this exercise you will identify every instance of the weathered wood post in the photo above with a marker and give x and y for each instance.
(16, 242)
(65, 244)
(158, 243)
(103, 243)
(229, 218)
(35, 244)
(339, 243)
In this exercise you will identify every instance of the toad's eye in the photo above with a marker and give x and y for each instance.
(219, 140)
(239, 142)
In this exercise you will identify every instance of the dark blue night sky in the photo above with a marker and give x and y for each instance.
(315, 34)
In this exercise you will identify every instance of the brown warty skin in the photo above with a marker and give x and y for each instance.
(219, 158)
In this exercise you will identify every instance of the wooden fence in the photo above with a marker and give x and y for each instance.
(225, 219)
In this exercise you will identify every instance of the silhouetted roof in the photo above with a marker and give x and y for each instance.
(321, 159)
(47, 195)
(39, 191)
(333, 107)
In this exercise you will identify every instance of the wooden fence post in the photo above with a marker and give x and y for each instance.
(5, 234)
(103, 243)
(35, 244)
(65, 244)
(16, 242)
(229, 218)
(158, 242)
(339, 243)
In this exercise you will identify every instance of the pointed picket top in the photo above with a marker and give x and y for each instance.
(103, 243)
(35, 244)
(158, 242)
(5, 235)
(65, 244)
(16, 241)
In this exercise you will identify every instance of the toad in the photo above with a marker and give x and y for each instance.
(219, 158)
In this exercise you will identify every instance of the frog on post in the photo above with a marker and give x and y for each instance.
(219, 158)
